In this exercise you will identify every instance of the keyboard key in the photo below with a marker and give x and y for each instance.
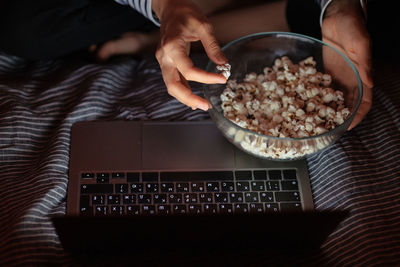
(167, 187)
(97, 189)
(289, 174)
(227, 186)
(190, 198)
(98, 200)
(175, 198)
(86, 211)
(194, 209)
(148, 209)
(210, 208)
(102, 178)
(256, 208)
(275, 174)
(243, 175)
(117, 175)
(236, 197)
(179, 209)
(133, 210)
(225, 208)
(206, 197)
(160, 198)
(287, 196)
(136, 188)
(197, 187)
(144, 198)
(182, 187)
(101, 210)
(272, 185)
(151, 187)
(290, 206)
(129, 199)
(113, 199)
(87, 175)
(163, 209)
(271, 207)
(241, 208)
(212, 186)
(121, 188)
(258, 186)
(150, 176)
(221, 197)
(196, 176)
(260, 175)
(291, 185)
(251, 197)
(266, 197)
(117, 210)
(132, 177)
(242, 186)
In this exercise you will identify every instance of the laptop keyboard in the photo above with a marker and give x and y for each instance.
(241, 191)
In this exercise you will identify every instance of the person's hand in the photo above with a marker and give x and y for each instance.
(182, 23)
(344, 27)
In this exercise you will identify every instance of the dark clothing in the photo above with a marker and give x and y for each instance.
(382, 23)
(303, 17)
(46, 29)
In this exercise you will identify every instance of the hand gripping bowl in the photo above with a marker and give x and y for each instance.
(253, 53)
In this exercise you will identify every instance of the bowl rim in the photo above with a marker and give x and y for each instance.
(297, 35)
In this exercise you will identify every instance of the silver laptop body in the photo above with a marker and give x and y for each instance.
(104, 153)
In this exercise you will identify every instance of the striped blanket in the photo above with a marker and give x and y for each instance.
(39, 101)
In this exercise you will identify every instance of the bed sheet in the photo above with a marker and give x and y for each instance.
(39, 102)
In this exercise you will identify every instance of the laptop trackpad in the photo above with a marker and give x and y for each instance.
(192, 145)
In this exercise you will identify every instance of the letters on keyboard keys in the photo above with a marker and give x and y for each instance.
(163, 193)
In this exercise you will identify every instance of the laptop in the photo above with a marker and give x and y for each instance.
(157, 188)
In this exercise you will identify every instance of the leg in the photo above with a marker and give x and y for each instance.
(128, 43)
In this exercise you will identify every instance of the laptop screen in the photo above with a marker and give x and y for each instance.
(142, 236)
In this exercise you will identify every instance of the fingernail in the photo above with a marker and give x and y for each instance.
(204, 106)
(221, 58)
(222, 79)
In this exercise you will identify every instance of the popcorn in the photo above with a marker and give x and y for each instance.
(225, 70)
(286, 100)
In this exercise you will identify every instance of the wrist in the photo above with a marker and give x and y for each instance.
(163, 7)
(342, 7)
(156, 6)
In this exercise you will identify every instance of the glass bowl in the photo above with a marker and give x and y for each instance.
(253, 53)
